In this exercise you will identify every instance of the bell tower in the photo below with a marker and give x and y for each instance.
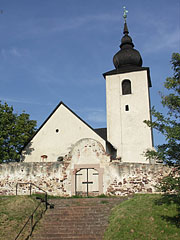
(128, 103)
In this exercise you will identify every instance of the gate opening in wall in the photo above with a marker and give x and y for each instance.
(87, 182)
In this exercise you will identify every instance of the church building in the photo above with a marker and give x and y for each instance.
(86, 154)
(126, 137)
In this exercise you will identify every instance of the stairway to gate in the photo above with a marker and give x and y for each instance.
(81, 218)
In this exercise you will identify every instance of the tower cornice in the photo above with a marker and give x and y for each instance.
(129, 69)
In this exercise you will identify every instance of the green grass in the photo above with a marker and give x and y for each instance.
(144, 217)
(14, 212)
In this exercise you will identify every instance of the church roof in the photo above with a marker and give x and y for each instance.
(127, 55)
(102, 132)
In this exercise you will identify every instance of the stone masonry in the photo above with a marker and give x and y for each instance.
(118, 178)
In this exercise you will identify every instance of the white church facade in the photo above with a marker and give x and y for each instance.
(58, 135)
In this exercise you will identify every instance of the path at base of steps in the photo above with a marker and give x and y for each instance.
(78, 218)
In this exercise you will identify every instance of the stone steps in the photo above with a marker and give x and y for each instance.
(81, 218)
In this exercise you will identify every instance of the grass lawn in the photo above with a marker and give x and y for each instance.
(14, 212)
(144, 217)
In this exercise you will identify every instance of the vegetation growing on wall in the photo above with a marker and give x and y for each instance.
(15, 130)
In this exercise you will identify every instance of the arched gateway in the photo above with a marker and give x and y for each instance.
(87, 173)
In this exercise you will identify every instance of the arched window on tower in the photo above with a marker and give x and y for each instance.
(126, 87)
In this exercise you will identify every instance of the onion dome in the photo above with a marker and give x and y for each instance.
(127, 55)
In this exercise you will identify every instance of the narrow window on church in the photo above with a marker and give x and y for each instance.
(126, 87)
(126, 107)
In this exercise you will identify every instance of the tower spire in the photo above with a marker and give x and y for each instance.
(127, 56)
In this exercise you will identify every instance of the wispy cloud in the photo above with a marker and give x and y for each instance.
(165, 35)
(13, 52)
(83, 20)
(41, 26)
(95, 115)
(23, 101)
(163, 40)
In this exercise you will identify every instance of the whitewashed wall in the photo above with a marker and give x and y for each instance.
(54, 144)
(125, 129)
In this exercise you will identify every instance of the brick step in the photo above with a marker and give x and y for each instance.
(77, 215)
(98, 237)
(77, 212)
(97, 224)
(74, 219)
(76, 229)
(74, 223)
(95, 229)
(81, 209)
(48, 235)
(79, 218)
(60, 237)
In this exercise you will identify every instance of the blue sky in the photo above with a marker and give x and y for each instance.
(57, 50)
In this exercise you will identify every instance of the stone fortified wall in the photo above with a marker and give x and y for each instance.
(129, 178)
(118, 179)
(48, 176)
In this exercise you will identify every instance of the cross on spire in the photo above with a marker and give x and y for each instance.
(125, 13)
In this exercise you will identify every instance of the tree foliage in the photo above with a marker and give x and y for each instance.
(169, 126)
(15, 130)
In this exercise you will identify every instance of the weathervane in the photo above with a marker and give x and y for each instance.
(125, 14)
